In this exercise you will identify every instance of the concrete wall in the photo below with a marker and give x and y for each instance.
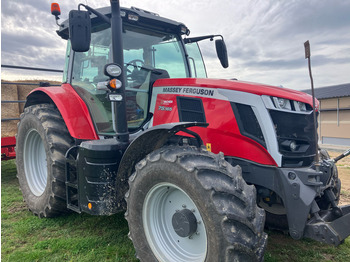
(334, 121)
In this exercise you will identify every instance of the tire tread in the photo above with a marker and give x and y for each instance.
(234, 200)
(59, 140)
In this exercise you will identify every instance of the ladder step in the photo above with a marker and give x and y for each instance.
(74, 208)
(72, 185)
(72, 189)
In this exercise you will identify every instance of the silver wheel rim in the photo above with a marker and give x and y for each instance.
(161, 202)
(35, 165)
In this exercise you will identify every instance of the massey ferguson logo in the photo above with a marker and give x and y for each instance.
(189, 91)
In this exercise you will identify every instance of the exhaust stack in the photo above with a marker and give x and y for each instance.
(308, 57)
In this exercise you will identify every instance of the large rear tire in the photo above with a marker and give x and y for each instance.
(42, 141)
(187, 204)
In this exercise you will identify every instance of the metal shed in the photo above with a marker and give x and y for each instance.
(334, 117)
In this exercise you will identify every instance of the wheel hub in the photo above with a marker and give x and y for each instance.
(173, 225)
(184, 223)
(35, 163)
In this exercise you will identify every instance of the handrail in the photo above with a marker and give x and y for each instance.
(33, 68)
(24, 83)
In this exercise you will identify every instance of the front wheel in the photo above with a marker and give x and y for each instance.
(42, 141)
(187, 204)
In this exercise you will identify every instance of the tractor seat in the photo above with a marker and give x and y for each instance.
(158, 74)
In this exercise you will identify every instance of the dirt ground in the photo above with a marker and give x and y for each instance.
(344, 175)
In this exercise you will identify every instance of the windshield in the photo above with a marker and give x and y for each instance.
(148, 56)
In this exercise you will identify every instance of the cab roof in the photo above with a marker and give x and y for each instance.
(145, 19)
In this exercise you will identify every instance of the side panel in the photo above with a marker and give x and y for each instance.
(222, 134)
(247, 87)
(72, 108)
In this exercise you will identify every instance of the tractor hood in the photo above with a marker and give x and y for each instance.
(248, 87)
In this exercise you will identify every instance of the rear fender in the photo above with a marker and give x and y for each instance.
(71, 106)
(144, 144)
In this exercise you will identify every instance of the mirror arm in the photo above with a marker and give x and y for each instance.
(200, 38)
(57, 18)
(98, 14)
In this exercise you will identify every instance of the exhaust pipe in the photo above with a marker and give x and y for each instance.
(307, 56)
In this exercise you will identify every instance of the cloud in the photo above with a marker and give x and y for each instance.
(264, 38)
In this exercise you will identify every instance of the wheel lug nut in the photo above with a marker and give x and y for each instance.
(184, 206)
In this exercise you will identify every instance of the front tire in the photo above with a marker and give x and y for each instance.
(187, 204)
(41, 144)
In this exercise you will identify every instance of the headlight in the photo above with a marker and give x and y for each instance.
(290, 145)
(291, 105)
(300, 105)
(133, 17)
(112, 70)
(284, 104)
(281, 103)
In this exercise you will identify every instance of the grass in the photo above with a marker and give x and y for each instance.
(74, 237)
(345, 193)
(81, 237)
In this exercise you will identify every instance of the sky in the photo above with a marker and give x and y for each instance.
(265, 38)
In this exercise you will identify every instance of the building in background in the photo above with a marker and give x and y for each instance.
(334, 117)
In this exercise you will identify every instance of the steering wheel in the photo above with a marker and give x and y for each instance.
(134, 64)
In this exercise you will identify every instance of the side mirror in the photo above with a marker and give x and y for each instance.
(80, 30)
(221, 51)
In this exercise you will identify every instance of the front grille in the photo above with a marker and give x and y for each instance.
(299, 130)
(248, 123)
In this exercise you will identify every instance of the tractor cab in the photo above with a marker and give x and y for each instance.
(153, 48)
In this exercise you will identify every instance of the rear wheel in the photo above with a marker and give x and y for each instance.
(42, 141)
(187, 204)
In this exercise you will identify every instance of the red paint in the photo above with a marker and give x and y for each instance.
(162, 116)
(247, 87)
(222, 133)
(8, 148)
(73, 109)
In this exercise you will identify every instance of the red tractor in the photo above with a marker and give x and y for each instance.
(195, 162)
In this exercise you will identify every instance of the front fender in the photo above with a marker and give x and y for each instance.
(73, 109)
(148, 141)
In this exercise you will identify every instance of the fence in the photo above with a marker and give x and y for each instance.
(8, 142)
